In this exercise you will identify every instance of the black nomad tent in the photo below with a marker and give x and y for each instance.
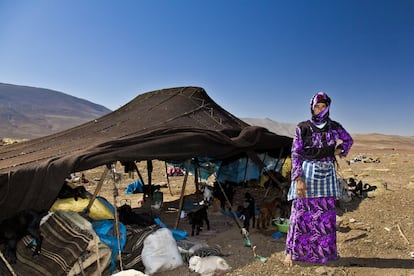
(169, 124)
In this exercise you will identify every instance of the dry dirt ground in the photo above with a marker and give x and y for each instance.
(375, 234)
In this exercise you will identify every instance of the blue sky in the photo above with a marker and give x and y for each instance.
(259, 59)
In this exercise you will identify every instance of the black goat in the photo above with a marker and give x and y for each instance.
(196, 218)
(127, 216)
(247, 211)
(369, 188)
(228, 192)
(360, 188)
(149, 190)
(68, 192)
(12, 229)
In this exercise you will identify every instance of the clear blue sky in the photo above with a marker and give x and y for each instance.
(259, 59)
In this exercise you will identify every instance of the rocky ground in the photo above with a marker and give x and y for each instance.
(375, 234)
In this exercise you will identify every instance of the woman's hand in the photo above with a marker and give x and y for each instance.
(300, 187)
(338, 151)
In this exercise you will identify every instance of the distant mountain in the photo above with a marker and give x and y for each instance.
(285, 129)
(30, 112)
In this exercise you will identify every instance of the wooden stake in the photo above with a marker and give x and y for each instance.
(168, 179)
(180, 206)
(9, 267)
(97, 190)
(402, 234)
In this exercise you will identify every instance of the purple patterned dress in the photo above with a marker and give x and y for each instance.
(312, 231)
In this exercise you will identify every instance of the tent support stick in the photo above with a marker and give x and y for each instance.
(243, 230)
(140, 177)
(180, 206)
(97, 190)
(139, 174)
(9, 267)
(245, 171)
(116, 226)
(149, 173)
(196, 175)
(271, 174)
(168, 179)
(149, 170)
(225, 196)
(260, 163)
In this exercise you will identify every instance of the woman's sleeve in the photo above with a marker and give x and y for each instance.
(347, 140)
(297, 154)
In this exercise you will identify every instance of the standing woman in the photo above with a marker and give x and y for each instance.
(314, 189)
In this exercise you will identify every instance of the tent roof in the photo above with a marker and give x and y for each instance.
(169, 124)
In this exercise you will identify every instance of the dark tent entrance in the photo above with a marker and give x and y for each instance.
(239, 171)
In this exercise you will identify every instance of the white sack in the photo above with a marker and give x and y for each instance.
(160, 252)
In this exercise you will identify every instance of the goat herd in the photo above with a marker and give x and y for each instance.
(248, 212)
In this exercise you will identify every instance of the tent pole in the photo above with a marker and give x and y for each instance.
(116, 226)
(271, 174)
(180, 206)
(259, 162)
(225, 196)
(168, 179)
(196, 174)
(9, 267)
(97, 190)
(245, 171)
(277, 163)
(244, 232)
(149, 173)
(140, 177)
(139, 174)
(149, 170)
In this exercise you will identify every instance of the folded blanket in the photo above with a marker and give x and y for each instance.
(63, 243)
(131, 255)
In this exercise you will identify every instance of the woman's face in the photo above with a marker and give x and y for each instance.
(319, 107)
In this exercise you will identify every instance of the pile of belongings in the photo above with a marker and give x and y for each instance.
(174, 171)
(77, 241)
(80, 242)
(70, 247)
(351, 188)
(363, 159)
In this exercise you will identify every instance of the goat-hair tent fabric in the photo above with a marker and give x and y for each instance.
(169, 124)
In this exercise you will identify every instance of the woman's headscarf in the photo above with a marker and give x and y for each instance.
(321, 118)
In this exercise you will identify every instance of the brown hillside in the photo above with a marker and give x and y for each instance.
(30, 112)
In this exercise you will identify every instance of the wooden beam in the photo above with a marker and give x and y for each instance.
(168, 179)
(97, 190)
(180, 206)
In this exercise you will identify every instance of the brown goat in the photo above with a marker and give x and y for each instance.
(267, 212)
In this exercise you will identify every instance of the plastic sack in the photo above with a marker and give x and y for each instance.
(104, 229)
(135, 187)
(98, 211)
(177, 234)
(160, 252)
